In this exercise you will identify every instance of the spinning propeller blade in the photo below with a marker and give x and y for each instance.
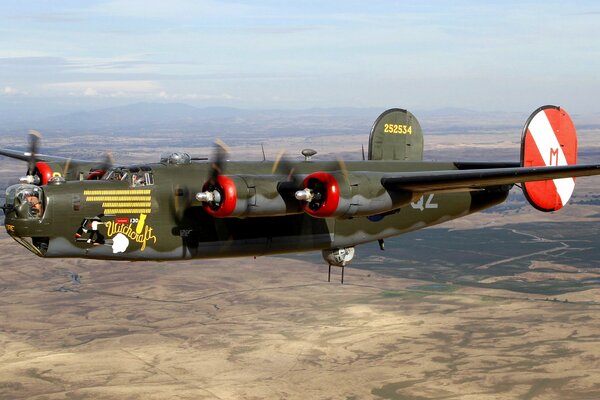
(34, 143)
(66, 167)
(220, 152)
(107, 162)
(284, 166)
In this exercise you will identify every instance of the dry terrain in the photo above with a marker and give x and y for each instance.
(274, 328)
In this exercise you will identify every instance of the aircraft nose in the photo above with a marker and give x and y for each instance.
(27, 230)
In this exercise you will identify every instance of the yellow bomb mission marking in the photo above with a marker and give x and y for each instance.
(139, 236)
(122, 201)
(141, 223)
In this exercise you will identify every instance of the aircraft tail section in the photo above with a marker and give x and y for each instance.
(396, 135)
(549, 139)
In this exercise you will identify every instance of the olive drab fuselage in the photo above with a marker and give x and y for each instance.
(161, 219)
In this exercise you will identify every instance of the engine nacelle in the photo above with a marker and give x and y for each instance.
(246, 196)
(349, 195)
(42, 173)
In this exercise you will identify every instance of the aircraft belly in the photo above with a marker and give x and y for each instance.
(429, 210)
(222, 237)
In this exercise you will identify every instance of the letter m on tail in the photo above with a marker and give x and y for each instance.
(553, 156)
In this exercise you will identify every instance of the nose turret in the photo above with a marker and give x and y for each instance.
(24, 210)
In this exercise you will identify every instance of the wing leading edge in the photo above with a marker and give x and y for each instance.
(25, 156)
(475, 179)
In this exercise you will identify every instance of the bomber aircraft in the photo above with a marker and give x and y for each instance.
(182, 208)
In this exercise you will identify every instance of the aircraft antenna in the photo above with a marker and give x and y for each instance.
(263, 151)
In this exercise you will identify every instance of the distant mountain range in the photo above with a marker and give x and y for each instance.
(141, 118)
(148, 118)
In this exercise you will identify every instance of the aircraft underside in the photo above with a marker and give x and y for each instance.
(202, 236)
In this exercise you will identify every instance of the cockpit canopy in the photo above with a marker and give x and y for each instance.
(27, 200)
(136, 176)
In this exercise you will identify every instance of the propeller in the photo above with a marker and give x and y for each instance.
(66, 167)
(279, 160)
(343, 168)
(211, 193)
(294, 186)
(107, 162)
(220, 152)
(98, 173)
(315, 191)
(216, 193)
(283, 166)
(34, 144)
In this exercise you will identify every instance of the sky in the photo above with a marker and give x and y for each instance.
(493, 55)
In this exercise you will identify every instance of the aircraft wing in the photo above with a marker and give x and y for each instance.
(474, 179)
(24, 156)
(19, 155)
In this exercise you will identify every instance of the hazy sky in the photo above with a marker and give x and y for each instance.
(271, 54)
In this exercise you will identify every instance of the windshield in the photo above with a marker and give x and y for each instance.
(26, 200)
(115, 174)
(135, 176)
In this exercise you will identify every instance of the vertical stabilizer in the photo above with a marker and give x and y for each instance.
(549, 139)
(396, 135)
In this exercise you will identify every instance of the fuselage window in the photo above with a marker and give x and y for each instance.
(142, 178)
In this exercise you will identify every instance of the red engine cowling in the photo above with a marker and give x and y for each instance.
(45, 172)
(347, 195)
(95, 175)
(226, 188)
(326, 194)
(241, 196)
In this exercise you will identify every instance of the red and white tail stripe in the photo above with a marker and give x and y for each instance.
(549, 139)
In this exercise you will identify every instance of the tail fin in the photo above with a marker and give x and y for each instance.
(396, 135)
(549, 139)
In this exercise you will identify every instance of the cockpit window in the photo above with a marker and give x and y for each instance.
(26, 200)
(142, 178)
(115, 174)
(136, 176)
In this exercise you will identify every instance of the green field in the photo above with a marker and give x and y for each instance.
(467, 257)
